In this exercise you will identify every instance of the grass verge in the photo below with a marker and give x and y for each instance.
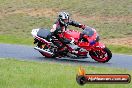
(15, 40)
(120, 49)
(26, 74)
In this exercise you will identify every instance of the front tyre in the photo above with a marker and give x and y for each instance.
(103, 55)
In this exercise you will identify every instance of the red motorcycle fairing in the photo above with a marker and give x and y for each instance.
(69, 34)
(99, 44)
(86, 45)
(89, 47)
(42, 40)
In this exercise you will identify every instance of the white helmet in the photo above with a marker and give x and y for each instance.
(64, 18)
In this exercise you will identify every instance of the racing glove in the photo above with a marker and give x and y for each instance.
(82, 26)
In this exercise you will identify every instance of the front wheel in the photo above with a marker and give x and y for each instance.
(103, 55)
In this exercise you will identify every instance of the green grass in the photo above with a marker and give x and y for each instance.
(120, 49)
(16, 40)
(94, 7)
(27, 74)
(22, 23)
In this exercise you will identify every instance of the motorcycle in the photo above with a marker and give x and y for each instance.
(87, 44)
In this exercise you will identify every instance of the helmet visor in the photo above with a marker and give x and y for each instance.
(65, 20)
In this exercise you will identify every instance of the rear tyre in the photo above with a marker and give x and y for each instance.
(102, 56)
(46, 55)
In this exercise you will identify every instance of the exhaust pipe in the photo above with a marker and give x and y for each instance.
(44, 51)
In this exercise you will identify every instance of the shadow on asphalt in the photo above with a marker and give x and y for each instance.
(72, 61)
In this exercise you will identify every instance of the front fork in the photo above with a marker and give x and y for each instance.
(98, 47)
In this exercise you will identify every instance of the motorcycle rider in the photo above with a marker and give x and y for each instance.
(60, 26)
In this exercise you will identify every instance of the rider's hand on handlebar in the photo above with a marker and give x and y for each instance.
(82, 26)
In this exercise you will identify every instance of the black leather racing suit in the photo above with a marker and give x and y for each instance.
(60, 28)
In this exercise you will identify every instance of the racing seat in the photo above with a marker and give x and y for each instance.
(43, 33)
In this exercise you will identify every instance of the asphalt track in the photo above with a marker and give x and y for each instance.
(22, 52)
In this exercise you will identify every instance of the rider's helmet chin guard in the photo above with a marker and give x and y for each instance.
(64, 18)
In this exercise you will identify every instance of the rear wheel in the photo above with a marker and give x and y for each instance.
(103, 55)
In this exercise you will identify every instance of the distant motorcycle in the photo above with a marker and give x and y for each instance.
(88, 44)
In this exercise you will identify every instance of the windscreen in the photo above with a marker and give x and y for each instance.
(88, 31)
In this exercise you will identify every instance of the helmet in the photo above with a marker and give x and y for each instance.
(64, 18)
